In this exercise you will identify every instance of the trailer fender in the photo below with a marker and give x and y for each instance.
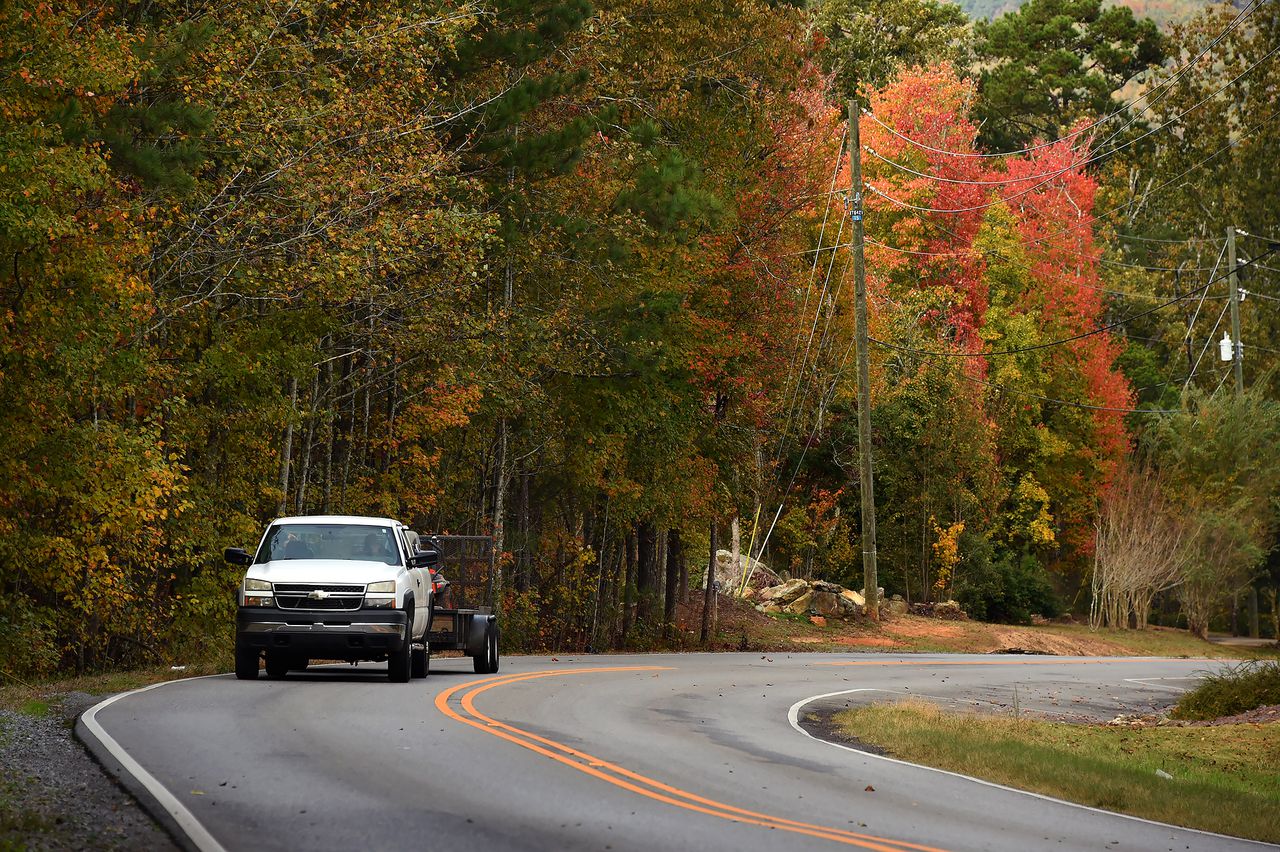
(478, 635)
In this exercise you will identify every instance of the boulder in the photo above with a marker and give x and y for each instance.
(800, 605)
(825, 603)
(895, 607)
(729, 575)
(853, 597)
(817, 620)
(950, 610)
(849, 609)
(768, 608)
(786, 592)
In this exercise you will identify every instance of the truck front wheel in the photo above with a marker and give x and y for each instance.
(247, 663)
(400, 663)
(277, 664)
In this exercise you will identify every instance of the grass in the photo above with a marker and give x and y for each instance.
(1224, 778)
(26, 696)
(1232, 690)
(34, 707)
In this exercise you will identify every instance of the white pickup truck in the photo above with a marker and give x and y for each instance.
(335, 588)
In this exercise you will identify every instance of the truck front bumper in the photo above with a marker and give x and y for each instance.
(356, 635)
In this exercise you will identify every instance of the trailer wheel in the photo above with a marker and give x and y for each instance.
(247, 663)
(486, 662)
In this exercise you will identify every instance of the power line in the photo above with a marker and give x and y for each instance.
(1051, 343)
(1067, 402)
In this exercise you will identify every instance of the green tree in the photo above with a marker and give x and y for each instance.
(1053, 63)
(866, 42)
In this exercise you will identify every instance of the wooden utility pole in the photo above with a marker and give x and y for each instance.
(869, 578)
(1233, 278)
(1237, 366)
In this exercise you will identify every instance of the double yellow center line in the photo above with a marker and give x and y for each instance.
(634, 782)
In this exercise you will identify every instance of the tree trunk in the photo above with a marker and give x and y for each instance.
(629, 588)
(675, 566)
(286, 457)
(646, 562)
(499, 519)
(709, 593)
(735, 549)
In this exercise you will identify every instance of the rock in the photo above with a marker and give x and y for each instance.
(950, 610)
(748, 593)
(799, 605)
(768, 608)
(785, 593)
(825, 603)
(1165, 775)
(895, 607)
(896, 598)
(853, 597)
(818, 620)
(849, 609)
(824, 586)
(730, 575)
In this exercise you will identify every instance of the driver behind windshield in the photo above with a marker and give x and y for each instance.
(377, 548)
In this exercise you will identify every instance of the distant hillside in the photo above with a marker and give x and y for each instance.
(1163, 12)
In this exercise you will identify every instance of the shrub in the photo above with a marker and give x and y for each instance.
(1232, 690)
(1004, 587)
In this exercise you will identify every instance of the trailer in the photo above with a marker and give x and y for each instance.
(463, 617)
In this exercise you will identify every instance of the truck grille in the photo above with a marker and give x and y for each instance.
(318, 596)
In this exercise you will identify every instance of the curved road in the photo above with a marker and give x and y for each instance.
(653, 752)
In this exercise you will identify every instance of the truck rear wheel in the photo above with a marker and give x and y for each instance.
(247, 663)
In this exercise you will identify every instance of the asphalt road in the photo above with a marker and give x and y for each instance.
(653, 752)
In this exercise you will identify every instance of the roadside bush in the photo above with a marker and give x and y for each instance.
(1233, 690)
(1002, 587)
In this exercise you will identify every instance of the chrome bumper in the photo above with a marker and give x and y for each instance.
(321, 627)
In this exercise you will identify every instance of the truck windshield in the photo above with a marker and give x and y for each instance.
(356, 542)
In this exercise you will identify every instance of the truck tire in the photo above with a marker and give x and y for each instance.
(277, 664)
(400, 663)
(421, 662)
(493, 650)
(247, 663)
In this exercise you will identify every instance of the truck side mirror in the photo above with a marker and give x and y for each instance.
(237, 556)
(424, 559)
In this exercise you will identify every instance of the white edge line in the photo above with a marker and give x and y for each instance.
(197, 833)
(793, 716)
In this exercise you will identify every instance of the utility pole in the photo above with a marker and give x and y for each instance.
(1237, 366)
(1237, 347)
(869, 579)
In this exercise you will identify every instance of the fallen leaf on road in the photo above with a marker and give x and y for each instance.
(870, 789)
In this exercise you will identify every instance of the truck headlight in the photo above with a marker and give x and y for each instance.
(257, 593)
(380, 595)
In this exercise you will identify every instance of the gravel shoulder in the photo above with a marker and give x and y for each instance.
(54, 796)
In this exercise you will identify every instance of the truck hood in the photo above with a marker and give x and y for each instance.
(323, 571)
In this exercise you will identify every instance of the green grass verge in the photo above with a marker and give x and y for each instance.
(1232, 690)
(25, 696)
(1224, 778)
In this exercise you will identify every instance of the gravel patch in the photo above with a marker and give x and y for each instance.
(54, 796)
